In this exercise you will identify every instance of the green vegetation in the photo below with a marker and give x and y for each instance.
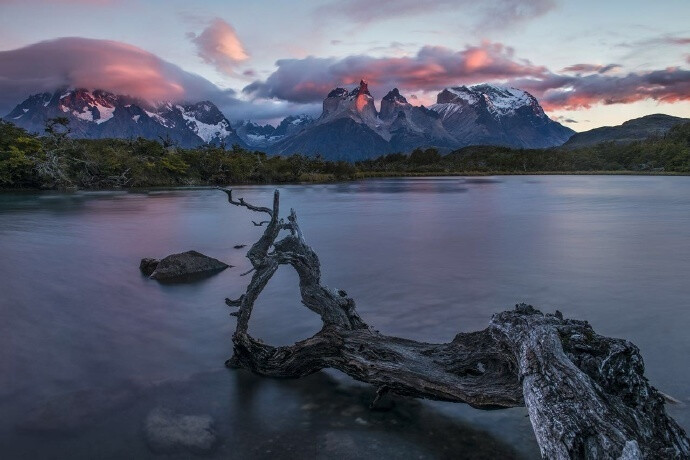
(56, 161)
(667, 154)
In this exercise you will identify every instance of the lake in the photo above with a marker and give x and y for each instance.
(89, 347)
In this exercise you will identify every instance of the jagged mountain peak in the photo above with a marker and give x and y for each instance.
(500, 100)
(264, 136)
(463, 115)
(362, 89)
(357, 104)
(97, 114)
(394, 95)
(338, 92)
(393, 104)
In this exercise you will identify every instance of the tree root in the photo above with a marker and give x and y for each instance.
(586, 394)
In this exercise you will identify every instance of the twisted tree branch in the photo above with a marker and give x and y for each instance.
(586, 394)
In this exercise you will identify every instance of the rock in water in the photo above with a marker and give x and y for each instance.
(184, 266)
(167, 432)
(148, 265)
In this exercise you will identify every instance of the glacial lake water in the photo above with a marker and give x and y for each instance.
(89, 346)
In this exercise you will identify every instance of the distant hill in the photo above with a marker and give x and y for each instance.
(630, 131)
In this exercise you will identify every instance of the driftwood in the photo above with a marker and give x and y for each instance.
(586, 394)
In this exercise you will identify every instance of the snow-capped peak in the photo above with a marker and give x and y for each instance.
(97, 113)
(498, 100)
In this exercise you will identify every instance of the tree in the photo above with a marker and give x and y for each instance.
(586, 394)
(57, 129)
(17, 147)
(425, 157)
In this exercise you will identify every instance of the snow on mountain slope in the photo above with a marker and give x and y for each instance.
(480, 114)
(100, 114)
(262, 136)
(349, 127)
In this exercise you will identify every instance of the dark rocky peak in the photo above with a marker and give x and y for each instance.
(392, 104)
(395, 96)
(204, 111)
(293, 123)
(358, 102)
(362, 89)
(455, 95)
(338, 92)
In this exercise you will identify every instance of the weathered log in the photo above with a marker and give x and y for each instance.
(586, 394)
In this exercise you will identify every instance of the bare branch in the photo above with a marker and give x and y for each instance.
(241, 202)
(586, 394)
(247, 272)
(234, 303)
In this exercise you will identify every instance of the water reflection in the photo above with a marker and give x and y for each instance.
(315, 417)
(424, 258)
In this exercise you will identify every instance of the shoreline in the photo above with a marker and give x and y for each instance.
(359, 176)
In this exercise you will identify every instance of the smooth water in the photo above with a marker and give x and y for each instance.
(89, 346)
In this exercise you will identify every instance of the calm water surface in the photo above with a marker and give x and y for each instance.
(89, 347)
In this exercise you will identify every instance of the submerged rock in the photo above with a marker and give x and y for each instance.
(185, 266)
(168, 432)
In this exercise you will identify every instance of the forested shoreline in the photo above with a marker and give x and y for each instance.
(57, 161)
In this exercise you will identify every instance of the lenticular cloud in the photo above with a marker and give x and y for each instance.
(96, 64)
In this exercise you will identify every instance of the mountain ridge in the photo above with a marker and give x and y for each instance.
(635, 129)
(97, 114)
(462, 115)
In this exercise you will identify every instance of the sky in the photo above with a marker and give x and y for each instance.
(590, 63)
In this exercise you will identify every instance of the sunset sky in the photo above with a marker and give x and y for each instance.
(589, 62)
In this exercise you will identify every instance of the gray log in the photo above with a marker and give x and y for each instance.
(586, 394)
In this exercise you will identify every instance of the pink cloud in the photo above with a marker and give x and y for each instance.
(432, 68)
(220, 46)
(96, 64)
(120, 68)
(579, 86)
(582, 92)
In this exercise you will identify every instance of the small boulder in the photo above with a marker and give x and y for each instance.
(168, 432)
(185, 266)
(148, 265)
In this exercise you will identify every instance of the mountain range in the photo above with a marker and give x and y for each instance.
(100, 114)
(349, 128)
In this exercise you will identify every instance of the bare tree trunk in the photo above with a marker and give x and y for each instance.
(586, 394)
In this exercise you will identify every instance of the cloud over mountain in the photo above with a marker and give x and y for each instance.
(431, 69)
(97, 64)
(577, 86)
(583, 91)
(299, 85)
(119, 68)
(220, 46)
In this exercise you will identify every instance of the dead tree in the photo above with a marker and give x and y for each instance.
(586, 394)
